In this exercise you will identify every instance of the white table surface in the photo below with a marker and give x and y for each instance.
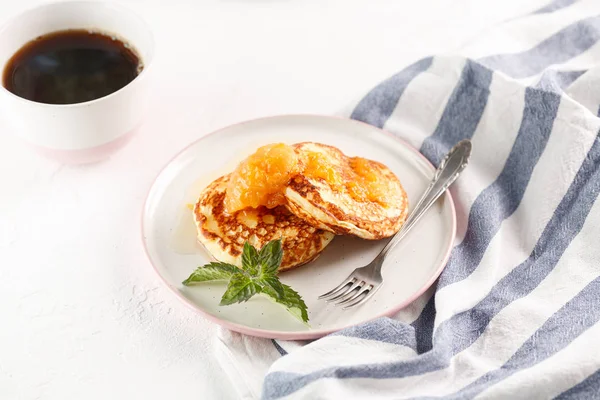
(82, 313)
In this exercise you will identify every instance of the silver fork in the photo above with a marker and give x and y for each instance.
(363, 282)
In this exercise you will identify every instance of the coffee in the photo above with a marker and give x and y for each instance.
(71, 66)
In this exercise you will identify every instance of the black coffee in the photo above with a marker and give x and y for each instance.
(70, 66)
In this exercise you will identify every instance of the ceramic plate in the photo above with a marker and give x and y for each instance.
(170, 239)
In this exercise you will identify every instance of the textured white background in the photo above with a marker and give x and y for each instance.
(82, 314)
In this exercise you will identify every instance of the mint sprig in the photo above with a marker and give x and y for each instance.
(213, 271)
(269, 257)
(258, 274)
(241, 287)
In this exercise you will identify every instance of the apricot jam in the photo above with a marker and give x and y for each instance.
(318, 166)
(357, 176)
(367, 184)
(260, 179)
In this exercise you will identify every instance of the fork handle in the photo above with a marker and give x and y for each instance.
(450, 168)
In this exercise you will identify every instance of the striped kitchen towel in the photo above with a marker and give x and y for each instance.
(516, 312)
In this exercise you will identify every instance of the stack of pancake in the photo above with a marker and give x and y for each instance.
(354, 196)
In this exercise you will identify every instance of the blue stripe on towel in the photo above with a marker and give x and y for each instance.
(278, 347)
(558, 81)
(569, 42)
(462, 113)
(377, 106)
(555, 6)
(584, 390)
(424, 327)
(383, 330)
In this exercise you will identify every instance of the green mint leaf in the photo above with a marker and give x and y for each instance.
(241, 288)
(249, 258)
(270, 257)
(213, 271)
(292, 301)
(257, 275)
(271, 286)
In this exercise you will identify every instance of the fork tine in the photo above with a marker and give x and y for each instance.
(358, 293)
(355, 284)
(345, 282)
(369, 294)
(350, 292)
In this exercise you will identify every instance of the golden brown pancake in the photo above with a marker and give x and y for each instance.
(344, 195)
(224, 235)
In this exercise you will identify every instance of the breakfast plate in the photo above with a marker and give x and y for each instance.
(169, 231)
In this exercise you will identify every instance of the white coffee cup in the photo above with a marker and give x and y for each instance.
(81, 132)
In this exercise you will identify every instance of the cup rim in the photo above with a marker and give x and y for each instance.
(120, 8)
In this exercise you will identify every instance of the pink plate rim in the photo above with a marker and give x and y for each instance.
(311, 334)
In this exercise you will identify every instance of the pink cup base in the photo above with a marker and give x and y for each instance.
(85, 156)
